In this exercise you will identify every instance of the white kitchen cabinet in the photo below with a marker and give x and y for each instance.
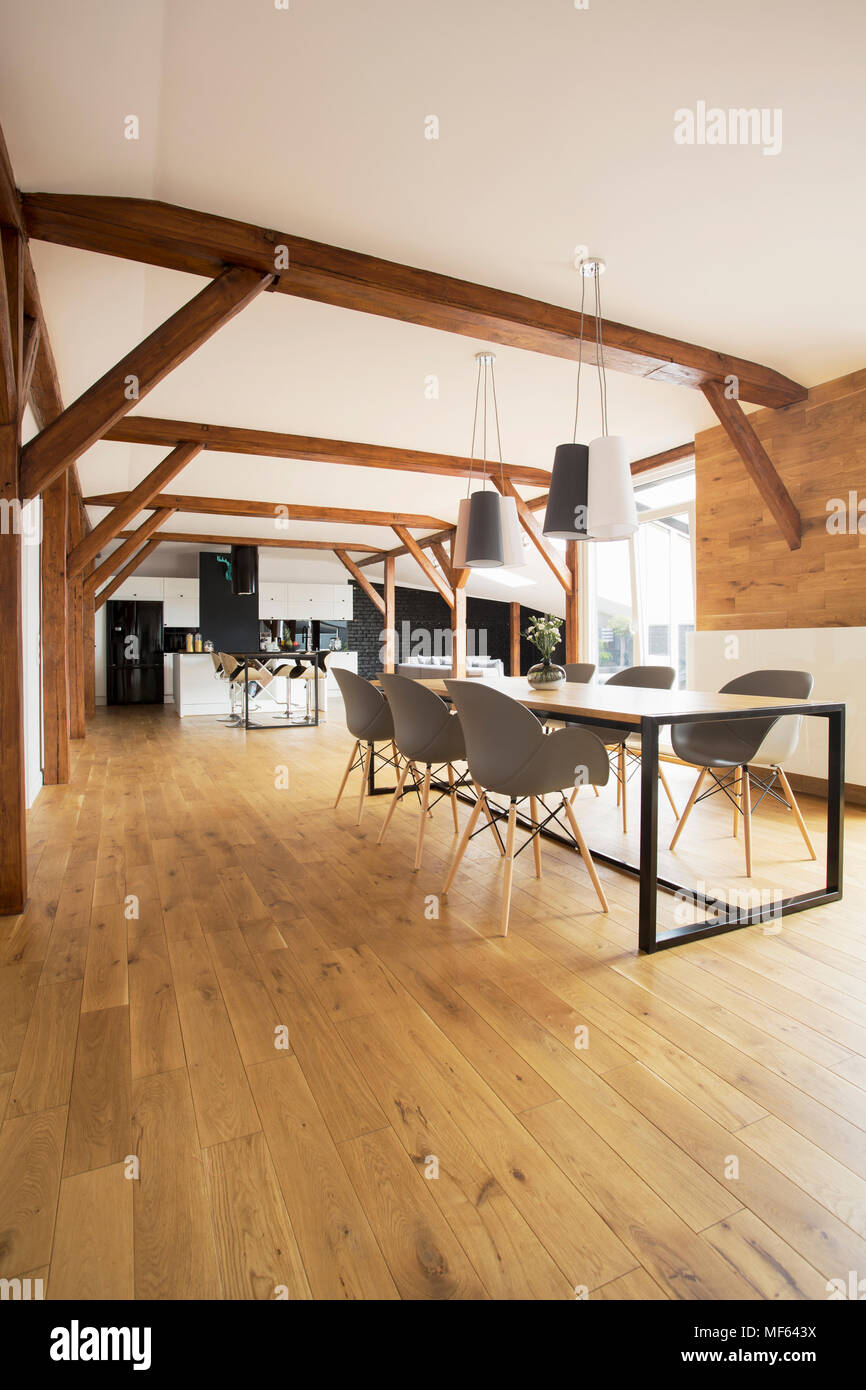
(144, 588)
(273, 601)
(343, 602)
(180, 603)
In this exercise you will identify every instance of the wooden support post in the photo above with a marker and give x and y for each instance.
(458, 633)
(390, 596)
(514, 631)
(13, 833)
(361, 579)
(55, 675)
(89, 655)
(572, 607)
(75, 635)
(427, 567)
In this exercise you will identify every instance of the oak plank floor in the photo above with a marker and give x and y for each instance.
(245, 1052)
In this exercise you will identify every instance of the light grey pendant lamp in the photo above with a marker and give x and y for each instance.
(488, 530)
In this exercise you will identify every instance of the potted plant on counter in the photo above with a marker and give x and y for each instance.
(543, 633)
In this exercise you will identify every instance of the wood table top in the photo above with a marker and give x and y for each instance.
(625, 704)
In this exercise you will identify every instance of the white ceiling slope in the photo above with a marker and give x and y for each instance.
(555, 129)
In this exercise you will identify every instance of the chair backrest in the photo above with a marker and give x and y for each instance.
(367, 714)
(419, 714)
(217, 665)
(501, 734)
(780, 736)
(579, 672)
(230, 664)
(647, 677)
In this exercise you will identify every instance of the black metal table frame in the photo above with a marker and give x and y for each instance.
(282, 723)
(650, 938)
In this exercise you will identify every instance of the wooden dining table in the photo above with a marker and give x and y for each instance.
(639, 711)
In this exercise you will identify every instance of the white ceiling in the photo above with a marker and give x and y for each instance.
(556, 129)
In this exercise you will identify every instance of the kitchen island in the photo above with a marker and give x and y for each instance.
(196, 687)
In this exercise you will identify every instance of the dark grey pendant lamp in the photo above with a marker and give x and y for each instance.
(568, 500)
(245, 569)
(478, 543)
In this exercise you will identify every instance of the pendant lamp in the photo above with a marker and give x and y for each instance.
(488, 527)
(591, 495)
(245, 569)
(611, 510)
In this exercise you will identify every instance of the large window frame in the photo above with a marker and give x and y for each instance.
(588, 571)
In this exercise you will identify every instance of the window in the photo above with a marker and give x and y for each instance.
(642, 590)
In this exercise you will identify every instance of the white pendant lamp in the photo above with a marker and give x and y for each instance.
(513, 553)
(488, 528)
(611, 510)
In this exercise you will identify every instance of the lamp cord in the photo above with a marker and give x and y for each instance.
(579, 358)
(599, 356)
(498, 435)
(474, 428)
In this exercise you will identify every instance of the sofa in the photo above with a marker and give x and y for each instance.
(431, 668)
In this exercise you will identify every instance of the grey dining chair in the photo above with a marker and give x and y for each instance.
(427, 734)
(625, 746)
(369, 720)
(724, 751)
(579, 672)
(510, 755)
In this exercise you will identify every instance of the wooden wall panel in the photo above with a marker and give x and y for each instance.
(746, 575)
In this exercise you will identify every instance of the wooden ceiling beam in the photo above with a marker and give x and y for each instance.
(204, 538)
(236, 506)
(233, 439)
(423, 541)
(360, 578)
(134, 502)
(123, 552)
(759, 465)
(534, 532)
(120, 578)
(202, 244)
(113, 396)
(425, 564)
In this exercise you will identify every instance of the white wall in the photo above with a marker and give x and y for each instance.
(836, 658)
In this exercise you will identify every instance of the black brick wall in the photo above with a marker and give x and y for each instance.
(426, 614)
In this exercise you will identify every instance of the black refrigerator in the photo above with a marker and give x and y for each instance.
(134, 654)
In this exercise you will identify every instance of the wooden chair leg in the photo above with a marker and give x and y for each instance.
(365, 773)
(467, 836)
(491, 819)
(422, 824)
(453, 795)
(798, 815)
(349, 765)
(735, 793)
(585, 855)
(396, 755)
(664, 782)
(536, 839)
(398, 792)
(509, 868)
(689, 804)
(622, 778)
(746, 807)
